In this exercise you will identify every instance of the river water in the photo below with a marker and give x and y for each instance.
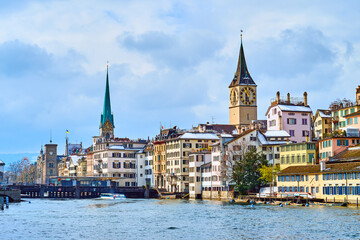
(173, 219)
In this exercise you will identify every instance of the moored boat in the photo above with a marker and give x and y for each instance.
(113, 196)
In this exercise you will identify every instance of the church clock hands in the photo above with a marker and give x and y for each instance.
(247, 95)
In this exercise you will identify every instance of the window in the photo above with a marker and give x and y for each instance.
(292, 133)
(272, 123)
(304, 114)
(305, 133)
(291, 121)
(304, 121)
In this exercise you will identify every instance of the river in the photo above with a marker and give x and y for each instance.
(173, 219)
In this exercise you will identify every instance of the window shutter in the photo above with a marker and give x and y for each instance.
(288, 121)
(294, 120)
(338, 142)
(346, 142)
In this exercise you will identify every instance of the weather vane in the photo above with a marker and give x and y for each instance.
(241, 31)
(107, 64)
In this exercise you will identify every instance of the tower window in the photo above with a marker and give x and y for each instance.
(248, 117)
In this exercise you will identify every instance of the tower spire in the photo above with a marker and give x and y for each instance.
(242, 75)
(106, 114)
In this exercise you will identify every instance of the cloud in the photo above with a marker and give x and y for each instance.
(175, 51)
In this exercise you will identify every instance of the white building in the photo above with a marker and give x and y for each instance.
(149, 163)
(196, 160)
(116, 159)
(140, 168)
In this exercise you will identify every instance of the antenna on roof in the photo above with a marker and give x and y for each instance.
(50, 136)
(212, 119)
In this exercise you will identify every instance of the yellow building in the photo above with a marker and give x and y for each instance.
(297, 154)
(177, 150)
(159, 158)
(322, 123)
(337, 182)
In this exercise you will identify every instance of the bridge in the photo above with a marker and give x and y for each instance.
(80, 192)
(13, 194)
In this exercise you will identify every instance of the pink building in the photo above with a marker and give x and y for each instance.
(292, 115)
(330, 147)
(353, 120)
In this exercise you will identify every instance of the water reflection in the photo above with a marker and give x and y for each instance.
(173, 219)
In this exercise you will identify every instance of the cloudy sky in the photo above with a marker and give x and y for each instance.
(170, 62)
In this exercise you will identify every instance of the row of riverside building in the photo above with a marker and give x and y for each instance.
(318, 154)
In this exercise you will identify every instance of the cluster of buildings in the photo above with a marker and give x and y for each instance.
(317, 154)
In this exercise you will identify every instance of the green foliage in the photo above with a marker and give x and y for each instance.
(246, 171)
(268, 172)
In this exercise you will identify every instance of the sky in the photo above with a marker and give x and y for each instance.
(171, 63)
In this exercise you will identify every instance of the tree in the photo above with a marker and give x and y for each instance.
(246, 171)
(268, 173)
(15, 168)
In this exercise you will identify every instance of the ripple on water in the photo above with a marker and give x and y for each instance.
(173, 219)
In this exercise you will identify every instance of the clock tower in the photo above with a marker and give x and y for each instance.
(107, 118)
(243, 98)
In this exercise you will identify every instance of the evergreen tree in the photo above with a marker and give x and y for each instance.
(246, 171)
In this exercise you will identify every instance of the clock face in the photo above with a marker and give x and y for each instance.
(247, 95)
(234, 96)
(107, 126)
(51, 153)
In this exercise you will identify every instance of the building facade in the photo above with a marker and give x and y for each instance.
(330, 147)
(291, 115)
(322, 123)
(338, 182)
(297, 154)
(177, 151)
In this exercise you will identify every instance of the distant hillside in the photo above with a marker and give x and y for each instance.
(8, 158)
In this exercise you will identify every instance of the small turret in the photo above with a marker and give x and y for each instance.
(305, 99)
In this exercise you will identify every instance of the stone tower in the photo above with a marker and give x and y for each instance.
(358, 95)
(243, 98)
(107, 118)
(49, 168)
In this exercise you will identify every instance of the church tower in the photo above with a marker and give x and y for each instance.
(243, 98)
(107, 118)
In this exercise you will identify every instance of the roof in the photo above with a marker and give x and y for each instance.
(352, 114)
(2, 163)
(263, 140)
(276, 133)
(290, 108)
(206, 165)
(324, 113)
(329, 168)
(121, 147)
(209, 136)
(293, 108)
(107, 115)
(351, 154)
(242, 75)
(241, 135)
(220, 128)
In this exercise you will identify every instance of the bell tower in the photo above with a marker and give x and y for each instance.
(243, 97)
(107, 118)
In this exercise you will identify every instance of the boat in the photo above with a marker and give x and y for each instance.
(113, 196)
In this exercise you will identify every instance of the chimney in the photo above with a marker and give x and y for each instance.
(358, 95)
(288, 98)
(277, 97)
(305, 99)
(322, 166)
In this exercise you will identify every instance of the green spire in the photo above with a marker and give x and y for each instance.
(106, 114)
(242, 75)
